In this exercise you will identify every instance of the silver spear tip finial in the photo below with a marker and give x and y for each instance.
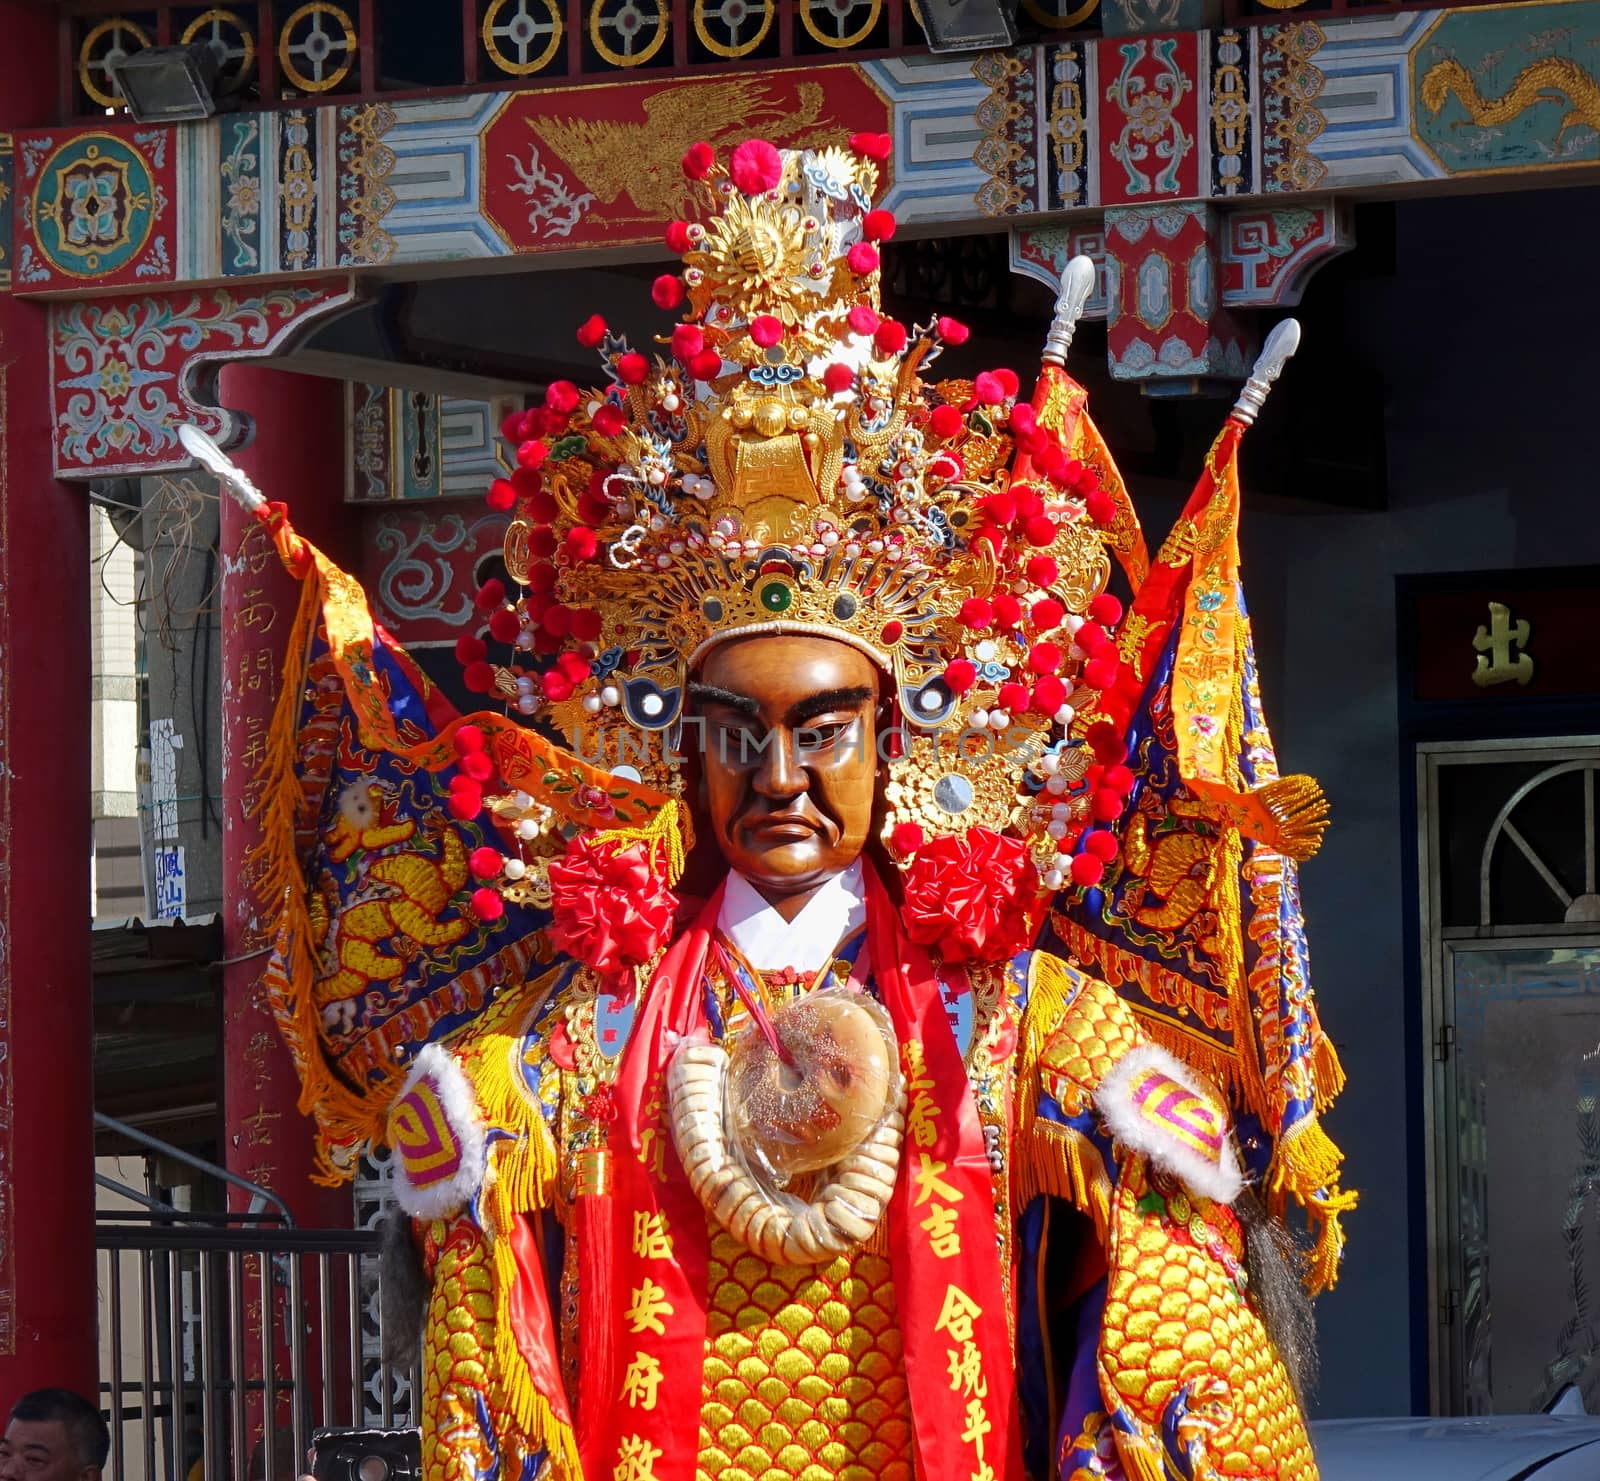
(1281, 343)
(202, 447)
(1077, 283)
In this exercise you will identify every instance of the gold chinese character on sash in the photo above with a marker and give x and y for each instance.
(978, 1425)
(957, 1314)
(919, 1122)
(1496, 663)
(930, 1183)
(640, 1382)
(636, 1460)
(966, 1371)
(943, 1237)
(648, 1305)
(650, 1238)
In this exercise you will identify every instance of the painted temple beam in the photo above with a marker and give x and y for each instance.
(1380, 102)
(128, 367)
(1209, 172)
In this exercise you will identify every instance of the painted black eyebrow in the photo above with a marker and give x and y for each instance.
(704, 694)
(829, 699)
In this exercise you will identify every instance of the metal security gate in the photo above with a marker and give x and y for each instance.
(230, 1346)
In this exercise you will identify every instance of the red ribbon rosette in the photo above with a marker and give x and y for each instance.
(972, 898)
(612, 909)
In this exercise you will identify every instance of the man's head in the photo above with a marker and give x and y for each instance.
(54, 1435)
(789, 757)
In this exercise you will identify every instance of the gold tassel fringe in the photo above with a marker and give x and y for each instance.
(344, 1119)
(1305, 1161)
(1299, 809)
(1327, 1074)
(1138, 1461)
(1055, 1161)
(526, 1182)
(520, 1398)
(1051, 1159)
(1051, 987)
(1306, 1165)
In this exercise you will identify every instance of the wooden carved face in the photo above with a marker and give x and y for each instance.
(788, 739)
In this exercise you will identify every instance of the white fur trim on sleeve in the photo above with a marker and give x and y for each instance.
(436, 1137)
(1156, 1105)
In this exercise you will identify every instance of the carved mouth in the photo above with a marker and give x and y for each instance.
(783, 830)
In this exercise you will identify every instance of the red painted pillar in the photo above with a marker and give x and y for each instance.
(297, 455)
(47, 1271)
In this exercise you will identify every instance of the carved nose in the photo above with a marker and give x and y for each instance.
(780, 774)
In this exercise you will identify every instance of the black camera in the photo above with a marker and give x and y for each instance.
(367, 1455)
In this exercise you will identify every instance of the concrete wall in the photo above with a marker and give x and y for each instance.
(1491, 359)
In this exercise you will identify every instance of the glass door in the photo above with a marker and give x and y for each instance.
(1526, 1141)
(1511, 936)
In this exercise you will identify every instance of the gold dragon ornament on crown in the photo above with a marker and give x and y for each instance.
(778, 463)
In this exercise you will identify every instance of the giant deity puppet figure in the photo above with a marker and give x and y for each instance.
(877, 1043)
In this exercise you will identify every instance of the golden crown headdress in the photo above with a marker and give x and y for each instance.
(779, 463)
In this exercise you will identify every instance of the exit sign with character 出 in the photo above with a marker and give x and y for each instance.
(1502, 636)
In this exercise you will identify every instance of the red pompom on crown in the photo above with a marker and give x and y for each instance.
(862, 259)
(487, 904)
(863, 320)
(874, 146)
(484, 862)
(699, 160)
(878, 226)
(756, 166)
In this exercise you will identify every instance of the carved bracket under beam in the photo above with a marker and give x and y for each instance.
(1266, 254)
(126, 372)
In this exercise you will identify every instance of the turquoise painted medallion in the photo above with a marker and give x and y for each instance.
(94, 206)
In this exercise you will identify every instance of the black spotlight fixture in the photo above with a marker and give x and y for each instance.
(168, 84)
(968, 25)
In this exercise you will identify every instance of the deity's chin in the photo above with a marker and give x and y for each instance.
(780, 859)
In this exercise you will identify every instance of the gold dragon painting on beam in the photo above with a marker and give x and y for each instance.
(1509, 87)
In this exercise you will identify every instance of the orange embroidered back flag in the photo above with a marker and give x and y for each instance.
(1199, 924)
(382, 941)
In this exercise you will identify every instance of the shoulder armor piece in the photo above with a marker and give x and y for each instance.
(1153, 1104)
(437, 1138)
(1083, 1028)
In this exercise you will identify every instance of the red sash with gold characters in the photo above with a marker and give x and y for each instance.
(642, 1284)
(942, 1246)
(643, 1248)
